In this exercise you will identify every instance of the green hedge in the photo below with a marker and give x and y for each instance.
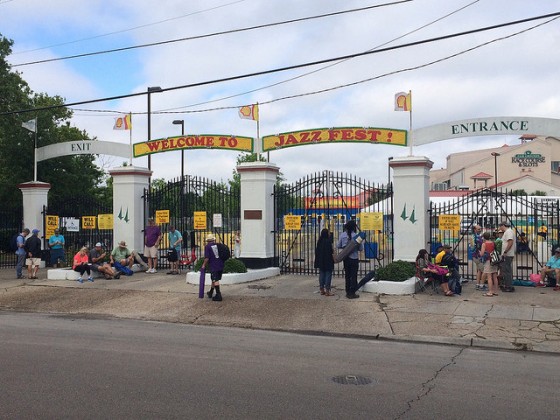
(396, 271)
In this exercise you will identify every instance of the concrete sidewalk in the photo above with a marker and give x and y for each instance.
(528, 319)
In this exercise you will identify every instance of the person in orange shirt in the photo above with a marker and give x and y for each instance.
(82, 265)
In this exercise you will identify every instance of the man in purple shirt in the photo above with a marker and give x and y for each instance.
(216, 266)
(152, 238)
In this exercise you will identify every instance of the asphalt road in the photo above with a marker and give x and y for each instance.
(69, 367)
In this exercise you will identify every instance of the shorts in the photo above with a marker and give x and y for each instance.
(33, 261)
(150, 252)
(95, 267)
(216, 275)
(478, 264)
(172, 255)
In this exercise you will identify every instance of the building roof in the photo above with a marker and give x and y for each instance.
(482, 175)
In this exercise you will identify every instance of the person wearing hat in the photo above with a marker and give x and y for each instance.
(508, 252)
(551, 271)
(100, 262)
(445, 249)
(216, 266)
(56, 244)
(33, 251)
(122, 255)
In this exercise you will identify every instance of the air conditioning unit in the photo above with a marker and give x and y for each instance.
(463, 187)
(439, 186)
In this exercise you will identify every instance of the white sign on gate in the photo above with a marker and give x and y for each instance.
(70, 223)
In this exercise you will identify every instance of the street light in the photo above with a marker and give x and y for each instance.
(182, 124)
(150, 91)
(496, 154)
(389, 159)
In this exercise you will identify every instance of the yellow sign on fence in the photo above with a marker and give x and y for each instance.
(200, 220)
(162, 216)
(88, 222)
(105, 221)
(371, 221)
(52, 224)
(292, 222)
(449, 222)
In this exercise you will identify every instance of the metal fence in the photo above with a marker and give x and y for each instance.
(197, 206)
(11, 223)
(535, 221)
(75, 235)
(329, 200)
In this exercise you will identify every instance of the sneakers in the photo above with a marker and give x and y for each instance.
(482, 287)
(217, 298)
(209, 294)
(90, 279)
(151, 271)
(117, 275)
(352, 296)
(80, 280)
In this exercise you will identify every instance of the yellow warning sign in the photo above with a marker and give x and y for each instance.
(52, 223)
(162, 216)
(449, 222)
(89, 222)
(292, 222)
(200, 220)
(371, 221)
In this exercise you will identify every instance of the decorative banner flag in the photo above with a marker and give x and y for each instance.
(31, 125)
(249, 112)
(403, 101)
(123, 123)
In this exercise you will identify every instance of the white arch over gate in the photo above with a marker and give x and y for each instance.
(84, 147)
(487, 126)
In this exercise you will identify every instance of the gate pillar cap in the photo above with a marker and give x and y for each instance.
(411, 161)
(34, 184)
(130, 170)
(257, 166)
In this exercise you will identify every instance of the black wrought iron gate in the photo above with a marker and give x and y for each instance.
(534, 219)
(329, 200)
(197, 206)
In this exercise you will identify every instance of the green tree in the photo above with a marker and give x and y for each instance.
(69, 176)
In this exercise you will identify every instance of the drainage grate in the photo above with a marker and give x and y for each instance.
(352, 380)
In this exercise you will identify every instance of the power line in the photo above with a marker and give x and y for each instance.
(128, 29)
(292, 67)
(232, 31)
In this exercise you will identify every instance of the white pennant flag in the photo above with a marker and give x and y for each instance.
(31, 125)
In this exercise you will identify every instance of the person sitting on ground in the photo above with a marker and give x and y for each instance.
(551, 271)
(431, 271)
(99, 260)
(81, 264)
(122, 255)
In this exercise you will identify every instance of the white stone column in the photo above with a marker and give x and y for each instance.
(257, 213)
(411, 201)
(129, 183)
(35, 198)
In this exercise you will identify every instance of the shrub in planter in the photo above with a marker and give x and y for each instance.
(396, 271)
(232, 265)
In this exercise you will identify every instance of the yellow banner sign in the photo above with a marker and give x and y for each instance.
(51, 225)
(105, 221)
(162, 216)
(292, 222)
(371, 221)
(192, 141)
(449, 222)
(200, 220)
(89, 222)
(336, 135)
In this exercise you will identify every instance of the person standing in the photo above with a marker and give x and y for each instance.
(351, 262)
(33, 250)
(508, 252)
(474, 247)
(81, 264)
(20, 252)
(152, 239)
(324, 261)
(490, 271)
(175, 241)
(215, 264)
(56, 244)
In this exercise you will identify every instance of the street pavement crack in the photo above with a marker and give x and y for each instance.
(429, 385)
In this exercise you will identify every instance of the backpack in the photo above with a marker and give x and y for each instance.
(13, 243)
(223, 252)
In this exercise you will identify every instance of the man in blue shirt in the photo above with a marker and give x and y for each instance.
(56, 244)
(175, 240)
(20, 252)
(551, 270)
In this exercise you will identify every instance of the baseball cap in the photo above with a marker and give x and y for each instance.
(98, 244)
(35, 231)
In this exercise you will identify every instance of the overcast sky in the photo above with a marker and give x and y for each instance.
(517, 76)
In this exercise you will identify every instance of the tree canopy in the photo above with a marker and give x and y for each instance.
(53, 126)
